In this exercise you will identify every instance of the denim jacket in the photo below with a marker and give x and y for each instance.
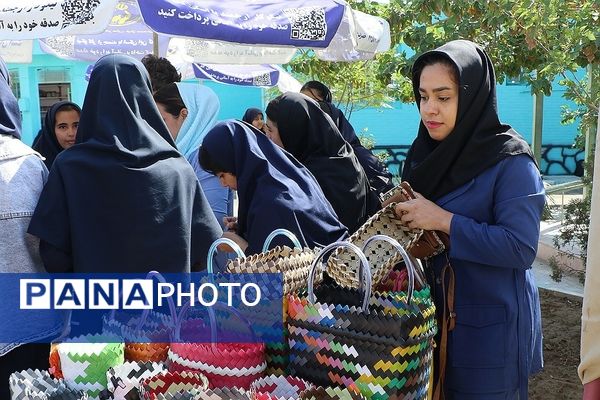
(22, 177)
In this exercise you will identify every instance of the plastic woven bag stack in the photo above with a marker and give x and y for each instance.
(225, 364)
(223, 394)
(125, 380)
(39, 385)
(171, 384)
(275, 387)
(330, 393)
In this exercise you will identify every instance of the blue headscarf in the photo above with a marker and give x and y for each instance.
(203, 108)
(123, 199)
(10, 117)
(274, 189)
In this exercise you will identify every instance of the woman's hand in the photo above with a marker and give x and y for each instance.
(236, 238)
(424, 214)
(230, 224)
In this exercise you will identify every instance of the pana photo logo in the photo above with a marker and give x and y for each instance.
(106, 294)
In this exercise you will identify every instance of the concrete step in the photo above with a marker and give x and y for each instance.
(568, 256)
(569, 284)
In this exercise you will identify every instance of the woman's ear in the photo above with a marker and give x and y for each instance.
(183, 113)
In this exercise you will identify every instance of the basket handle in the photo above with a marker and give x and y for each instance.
(213, 250)
(146, 312)
(213, 319)
(281, 232)
(365, 282)
(210, 271)
(410, 267)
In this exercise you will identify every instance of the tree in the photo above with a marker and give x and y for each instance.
(537, 40)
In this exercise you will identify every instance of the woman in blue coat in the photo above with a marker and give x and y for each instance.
(477, 181)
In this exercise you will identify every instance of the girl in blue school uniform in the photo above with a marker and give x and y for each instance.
(274, 189)
(477, 181)
(123, 199)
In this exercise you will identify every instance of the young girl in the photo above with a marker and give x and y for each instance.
(254, 116)
(296, 123)
(190, 111)
(274, 190)
(58, 132)
(477, 181)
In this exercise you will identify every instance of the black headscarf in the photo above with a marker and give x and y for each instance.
(274, 189)
(10, 117)
(46, 142)
(311, 136)
(123, 199)
(478, 140)
(379, 177)
(250, 114)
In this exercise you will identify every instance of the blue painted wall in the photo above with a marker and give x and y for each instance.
(399, 125)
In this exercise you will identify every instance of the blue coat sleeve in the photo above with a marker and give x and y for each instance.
(510, 239)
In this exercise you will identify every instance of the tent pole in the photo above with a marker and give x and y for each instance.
(155, 43)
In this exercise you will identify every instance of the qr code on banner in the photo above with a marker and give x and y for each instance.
(77, 12)
(308, 23)
(262, 80)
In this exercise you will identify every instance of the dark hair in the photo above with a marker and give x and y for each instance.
(170, 98)
(272, 109)
(209, 164)
(68, 107)
(161, 71)
(432, 59)
(320, 88)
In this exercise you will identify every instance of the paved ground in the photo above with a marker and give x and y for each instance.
(568, 284)
(549, 230)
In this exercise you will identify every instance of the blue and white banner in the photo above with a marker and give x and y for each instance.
(243, 75)
(23, 20)
(298, 23)
(126, 34)
(137, 308)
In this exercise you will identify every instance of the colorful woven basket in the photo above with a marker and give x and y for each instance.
(146, 336)
(125, 380)
(294, 263)
(54, 361)
(39, 385)
(172, 383)
(274, 387)
(330, 393)
(344, 266)
(380, 346)
(85, 360)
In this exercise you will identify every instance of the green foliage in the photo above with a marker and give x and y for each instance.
(368, 142)
(586, 101)
(537, 40)
(354, 85)
(575, 228)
